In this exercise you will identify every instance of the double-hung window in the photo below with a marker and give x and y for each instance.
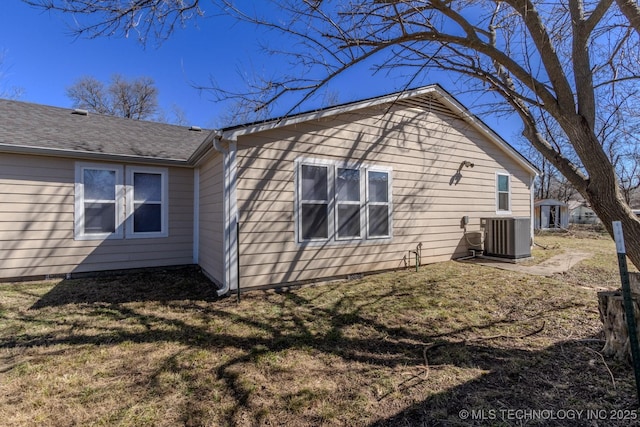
(314, 202)
(378, 203)
(99, 201)
(503, 193)
(147, 195)
(348, 203)
(108, 206)
(342, 202)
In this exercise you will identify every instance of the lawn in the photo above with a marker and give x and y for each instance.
(398, 348)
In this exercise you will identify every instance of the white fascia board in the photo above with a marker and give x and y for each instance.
(233, 134)
(461, 111)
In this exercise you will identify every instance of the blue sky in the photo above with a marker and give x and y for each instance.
(43, 58)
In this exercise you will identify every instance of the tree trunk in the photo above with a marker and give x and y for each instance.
(610, 206)
(614, 320)
(602, 190)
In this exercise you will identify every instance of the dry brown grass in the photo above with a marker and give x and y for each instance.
(599, 271)
(400, 348)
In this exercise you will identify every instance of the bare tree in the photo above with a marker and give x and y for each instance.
(90, 94)
(553, 63)
(629, 168)
(550, 183)
(135, 99)
(7, 91)
(176, 115)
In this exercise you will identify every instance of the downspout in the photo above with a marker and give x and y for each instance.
(230, 243)
(196, 216)
(217, 139)
(532, 207)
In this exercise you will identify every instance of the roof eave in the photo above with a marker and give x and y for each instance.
(204, 148)
(233, 133)
(88, 155)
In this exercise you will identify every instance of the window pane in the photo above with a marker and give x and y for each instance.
(503, 201)
(314, 182)
(99, 218)
(99, 184)
(147, 218)
(147, 187)
(348, 220)
(314, 221)
(503, 183)
(378, 186)
(378, 220)
(348, 185)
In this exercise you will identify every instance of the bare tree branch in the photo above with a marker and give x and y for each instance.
(568, 69)
(146, 18)
(631, 10)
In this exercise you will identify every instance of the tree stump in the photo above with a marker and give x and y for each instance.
(614, 319)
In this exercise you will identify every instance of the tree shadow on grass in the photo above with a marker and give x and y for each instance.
(566, 384)
(185, 283)
(505, 374)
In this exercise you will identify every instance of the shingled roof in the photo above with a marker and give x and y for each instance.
(41, 128)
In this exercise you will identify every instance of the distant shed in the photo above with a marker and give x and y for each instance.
(550, 214)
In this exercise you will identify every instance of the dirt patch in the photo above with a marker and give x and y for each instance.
(558, 264)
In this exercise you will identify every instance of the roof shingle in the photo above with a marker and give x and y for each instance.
(45, 127)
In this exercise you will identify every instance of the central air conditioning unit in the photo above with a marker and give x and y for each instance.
(507, 237)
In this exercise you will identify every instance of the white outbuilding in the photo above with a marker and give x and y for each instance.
(550, 214)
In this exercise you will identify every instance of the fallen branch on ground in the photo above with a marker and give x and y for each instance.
(493, 337)
(476, 339)
(613, 381)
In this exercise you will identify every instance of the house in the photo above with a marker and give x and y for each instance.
(550, 214)
(330, 193)
(583, 214)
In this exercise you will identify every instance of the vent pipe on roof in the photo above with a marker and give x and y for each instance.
(195, 128)
(80, 112)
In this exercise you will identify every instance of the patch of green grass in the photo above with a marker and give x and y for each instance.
(398, 348)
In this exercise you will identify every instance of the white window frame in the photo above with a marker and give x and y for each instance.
(332, 187)
(359, 203)
(498, 192)
(164, 203)
(299, 202)
(79, 217)
(388, 203)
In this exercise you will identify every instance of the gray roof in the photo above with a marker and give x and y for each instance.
(44, 128)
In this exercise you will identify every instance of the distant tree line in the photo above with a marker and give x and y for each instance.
(134, 99)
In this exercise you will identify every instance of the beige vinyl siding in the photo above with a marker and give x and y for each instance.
(211, 232)
(423, 148)
(37, 223)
